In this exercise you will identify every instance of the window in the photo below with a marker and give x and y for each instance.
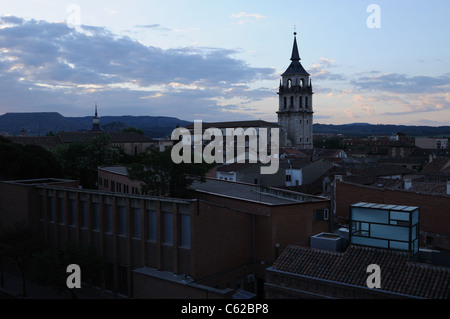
(105, 183)
(168, 228)
(109, 276)
(73, 212)
(123, 280)
(429, 241)
(83, 213)
(185, 230)
(300, 100)
(321, 214)
(136, 222)
(306, 102)
(360, 229)
(288, 178)
(107, 211)
(151, 216)
(291, 104)
(289, 83)
(284, 102)
(61, 211)
(95, 216)
(122, 221)
(100, 181)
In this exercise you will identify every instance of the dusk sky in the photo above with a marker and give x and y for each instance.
(222, 60)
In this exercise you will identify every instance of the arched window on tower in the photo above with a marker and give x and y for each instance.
(306, 102)
(291, 104)
(289, 83)
(302, 83)
(300, 102)
(284, 102)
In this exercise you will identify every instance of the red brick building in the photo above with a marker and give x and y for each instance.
(158, 247)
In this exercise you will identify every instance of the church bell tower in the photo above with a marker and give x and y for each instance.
(295, 111)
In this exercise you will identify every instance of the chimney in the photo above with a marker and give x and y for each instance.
(448, 187)
(408, 183)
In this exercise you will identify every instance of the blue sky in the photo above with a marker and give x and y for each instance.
(221, 60)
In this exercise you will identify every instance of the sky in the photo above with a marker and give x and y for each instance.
(377, 61)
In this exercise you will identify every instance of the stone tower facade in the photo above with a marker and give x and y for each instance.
(295, 112)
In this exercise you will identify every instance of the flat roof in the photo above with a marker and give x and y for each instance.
(122, 170)
(385, 206)
(250, 192)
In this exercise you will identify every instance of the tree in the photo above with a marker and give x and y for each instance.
(49, 266)
(19, 161)
(19, 243)
(133, 129)
(81, 160)
(329, 143)
(162, 177)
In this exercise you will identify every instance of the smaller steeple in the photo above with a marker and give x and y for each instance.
(96, 121)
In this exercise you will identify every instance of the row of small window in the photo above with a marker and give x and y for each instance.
(291, 102)
(136, 229)
(117, 187)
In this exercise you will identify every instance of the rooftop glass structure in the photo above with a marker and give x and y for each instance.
(394, 227)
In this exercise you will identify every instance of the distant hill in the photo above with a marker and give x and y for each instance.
(365, 129)
(39, 124)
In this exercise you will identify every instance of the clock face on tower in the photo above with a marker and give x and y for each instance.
(295, 111)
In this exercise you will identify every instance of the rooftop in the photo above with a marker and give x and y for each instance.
(399, 274)
(250, 192)
(116, 169)
(235, 124)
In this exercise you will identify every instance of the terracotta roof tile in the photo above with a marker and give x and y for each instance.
(399, 274)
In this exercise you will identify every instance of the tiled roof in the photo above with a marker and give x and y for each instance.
(398, 273)
(437, 165)
(235, 124)
(49, 142)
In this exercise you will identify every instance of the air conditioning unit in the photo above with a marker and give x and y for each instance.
(327, 241)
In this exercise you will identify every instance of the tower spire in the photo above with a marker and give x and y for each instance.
(295, 55)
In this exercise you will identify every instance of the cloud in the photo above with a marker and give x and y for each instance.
(401, 83)
(244, 17)
(320, 70)
(351, 114)
(42, 62)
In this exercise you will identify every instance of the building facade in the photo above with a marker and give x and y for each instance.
(295, 111)
(211, 246)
